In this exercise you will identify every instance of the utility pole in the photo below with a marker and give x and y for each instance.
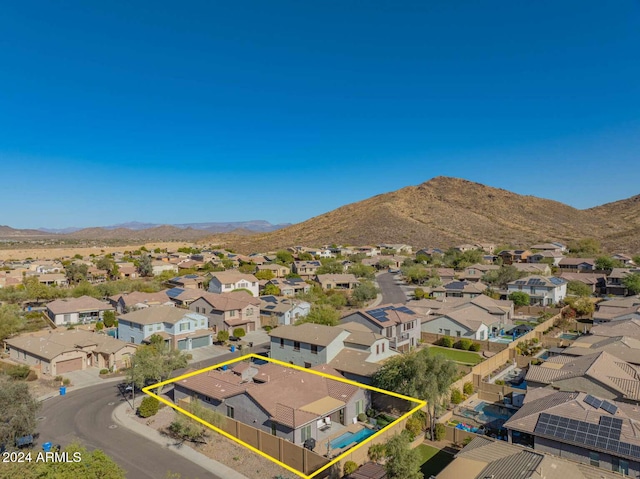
(133, 390)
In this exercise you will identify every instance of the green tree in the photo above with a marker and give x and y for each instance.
(145, 266)
(85, 288)
(11, 320)
(364, 292)
(402, 461)
(109, 318)
(305, 257)
(331, 267)
(18, 410)
(247, 268)
(76, 272)
(520, 298)
(607, 263)
(500, 277)
(271, 289)
(321, 314)
(582, 306)
(418, 293)
(239, 333)
(265, 274)
(36, 290)
(578, 288)
(585, 247)
(384, 263)
(154, 363)
(418, 374)
(632, 283)
(360, 270)
(416, 273)
(284, 257)
(377, 452)
(223, 336)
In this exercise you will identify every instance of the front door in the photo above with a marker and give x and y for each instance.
(342, 416)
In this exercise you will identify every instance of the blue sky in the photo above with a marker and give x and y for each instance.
(217, 111)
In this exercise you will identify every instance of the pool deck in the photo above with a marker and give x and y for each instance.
(321, 447)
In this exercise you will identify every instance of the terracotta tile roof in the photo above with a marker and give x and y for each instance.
(160, 314)
(317, 334)
(75, 305)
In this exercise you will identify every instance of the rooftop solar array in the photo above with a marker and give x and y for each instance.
(556, 280)
(591, 401)
(604, 436)
(174, 292)
(404, 309)
(191, 276)
(380, 314)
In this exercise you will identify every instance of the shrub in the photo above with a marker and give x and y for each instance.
(446, 341)
(104, 371)
(66, 381)
(267, 328)
(58, 378)
(475, 347)
(239, 333)
(377, 452)
(223, 336)
(535, 340)
(19, 372)
(467, 440)
(467, 388)
(99, 326)
(414, 425)
(456, 396)
(350, 467)
(148, 407)
(439, 432)
(418, 293)
(464, 344)
(109, 318)
(362, 417)
(500, 382)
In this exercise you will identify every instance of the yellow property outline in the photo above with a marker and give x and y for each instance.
(420, 404)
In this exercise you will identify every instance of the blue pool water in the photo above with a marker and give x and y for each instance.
(493, 411)
(568, 336)
(349, 437)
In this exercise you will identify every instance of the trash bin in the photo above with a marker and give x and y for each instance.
(63, 390)
(233, 349)
(46, 447)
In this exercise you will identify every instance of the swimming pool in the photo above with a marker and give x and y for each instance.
(350, 437)
(570, 336)
(492, 411)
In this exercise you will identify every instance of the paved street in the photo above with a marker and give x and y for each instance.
(257, 348)
(86, 415)
(391, 290)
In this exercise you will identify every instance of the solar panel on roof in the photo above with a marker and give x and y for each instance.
(610, 408)
(592, 401)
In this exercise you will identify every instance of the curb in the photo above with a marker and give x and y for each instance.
(77, 388)
(213, 466)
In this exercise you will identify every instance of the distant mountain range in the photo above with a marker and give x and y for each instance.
(143, 231)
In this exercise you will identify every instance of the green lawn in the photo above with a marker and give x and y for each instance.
(457, 355)
(433, 460)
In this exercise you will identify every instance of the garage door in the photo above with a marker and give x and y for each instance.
(182, 344)
(69, 365)
(200, 342)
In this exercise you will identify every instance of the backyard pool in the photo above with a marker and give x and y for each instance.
(486, 412)
(350, 437)
(544, 355)
(570, 336)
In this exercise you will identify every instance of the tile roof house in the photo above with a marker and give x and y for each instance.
(278, 270)
(595, 281)
(580, 427)
(275, 310)
(625, 348)
(228, 281)
(577, 264)
(125, 303)
(181, 329)
(305, 269)
(188, 281)
(337, 281)
(290, 287)
(350, 348)
(514, 256)
(470, 322)
(459, 289)
(542, 269)
(619, 309)
(615, 285)
(554, 247)
(629, 328)
(477, 271)
(84, 309)
(285, 402)
(543, 291)
(554, 257)
(397, 322)
(600, 374)
(485, 458)
(228, 311)
(63, 351)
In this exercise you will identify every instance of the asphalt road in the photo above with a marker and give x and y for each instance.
(257, 349)
(391, 291)
(85, 416)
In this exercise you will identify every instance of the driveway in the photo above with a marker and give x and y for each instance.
(390, 287)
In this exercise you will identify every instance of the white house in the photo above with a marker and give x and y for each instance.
(283, 310)
(469, 323)
(542, 291)
(228, 281)
(84, 309)
(181, 329)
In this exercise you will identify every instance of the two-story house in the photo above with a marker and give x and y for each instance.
(181, 329)
(542, 291)
(278, 270)
(459, 289)
(396, 322)
(337, 281)
(615, 281)
(278, 311)
(514, 256)
(228, 311)
(290, 287)
(188, 281)
(579, 265)
(305, 269)
(228, 281)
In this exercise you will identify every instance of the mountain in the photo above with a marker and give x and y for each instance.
(448, 211)
(6, 232)
(212, 227)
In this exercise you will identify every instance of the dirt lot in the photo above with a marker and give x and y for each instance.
(60, 252)
(224, 450)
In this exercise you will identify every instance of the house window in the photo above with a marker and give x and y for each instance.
(359, 406)
(230, 411)
(447, 332)
(132, 340)
(282, 342)
(227, 286)
(250, 312)
(594, 458)
(305, 432)
(383, 347)
(67, 318)
(314, 349)
(620, 465)
(232, 313)
(307, 365)
(296, 346)
(184, 326)
(458, 334)
(158, 327)
(377, 349)
(389, 331)
(273, 428)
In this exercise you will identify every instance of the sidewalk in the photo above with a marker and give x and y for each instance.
(82, 386)
(120, 417)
